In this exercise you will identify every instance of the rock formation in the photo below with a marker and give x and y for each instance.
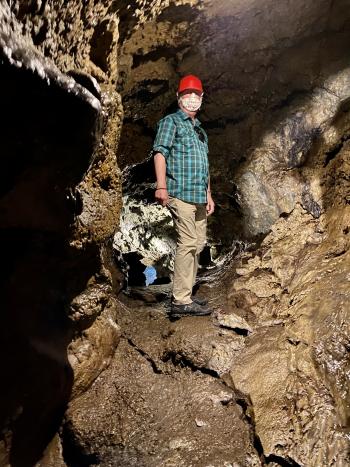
(59, 209)
(97, 377)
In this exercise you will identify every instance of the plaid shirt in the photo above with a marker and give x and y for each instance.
(185, 148)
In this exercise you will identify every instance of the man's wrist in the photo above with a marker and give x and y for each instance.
(160, 188)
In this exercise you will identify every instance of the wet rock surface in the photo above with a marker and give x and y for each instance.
(265, 379)
(276, 345)
(174, 413)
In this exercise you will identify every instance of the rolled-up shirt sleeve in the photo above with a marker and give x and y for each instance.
(165, 136)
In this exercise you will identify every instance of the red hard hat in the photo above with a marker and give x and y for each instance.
(190, 82)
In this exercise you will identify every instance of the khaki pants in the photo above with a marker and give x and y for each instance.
(190, 222)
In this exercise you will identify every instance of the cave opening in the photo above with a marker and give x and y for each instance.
(139, 275)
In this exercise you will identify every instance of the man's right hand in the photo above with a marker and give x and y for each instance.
(162, 196)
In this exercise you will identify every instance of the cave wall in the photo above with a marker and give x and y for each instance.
(276, 110)
(294, 290)
(52, 129)
(60, 205)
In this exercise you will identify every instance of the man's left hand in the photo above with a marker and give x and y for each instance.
(210, 205)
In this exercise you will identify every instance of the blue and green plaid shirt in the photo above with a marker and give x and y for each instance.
(185, 148)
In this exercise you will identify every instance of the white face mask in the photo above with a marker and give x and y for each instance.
(191, 102)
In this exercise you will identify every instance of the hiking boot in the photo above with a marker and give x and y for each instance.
(199, 301)
(192, 309)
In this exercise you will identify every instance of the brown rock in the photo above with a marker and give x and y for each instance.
(53, 455)
(154, 421)
(276, 77)
(91, 353)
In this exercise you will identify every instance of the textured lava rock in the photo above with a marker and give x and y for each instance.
(277, 113)
(178, 417)
(300, 275)
(50, 143)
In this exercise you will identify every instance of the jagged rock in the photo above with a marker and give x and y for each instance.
(87, 306)
(154, 421)
(301, 366)
(53, 455)
(100, 189)
(276, 76)
(233, 321)
(146, 229)
(50, 141)
(91, 353)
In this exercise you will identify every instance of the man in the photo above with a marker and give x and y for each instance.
(183, 185)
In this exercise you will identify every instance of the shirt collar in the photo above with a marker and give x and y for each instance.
(184, 116)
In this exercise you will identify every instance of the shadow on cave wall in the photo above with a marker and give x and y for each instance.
(340, 122)
(47, 137)
(334, 179)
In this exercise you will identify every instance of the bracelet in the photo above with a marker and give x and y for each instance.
(160, 189)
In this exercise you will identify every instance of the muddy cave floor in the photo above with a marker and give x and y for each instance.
(167, 397)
